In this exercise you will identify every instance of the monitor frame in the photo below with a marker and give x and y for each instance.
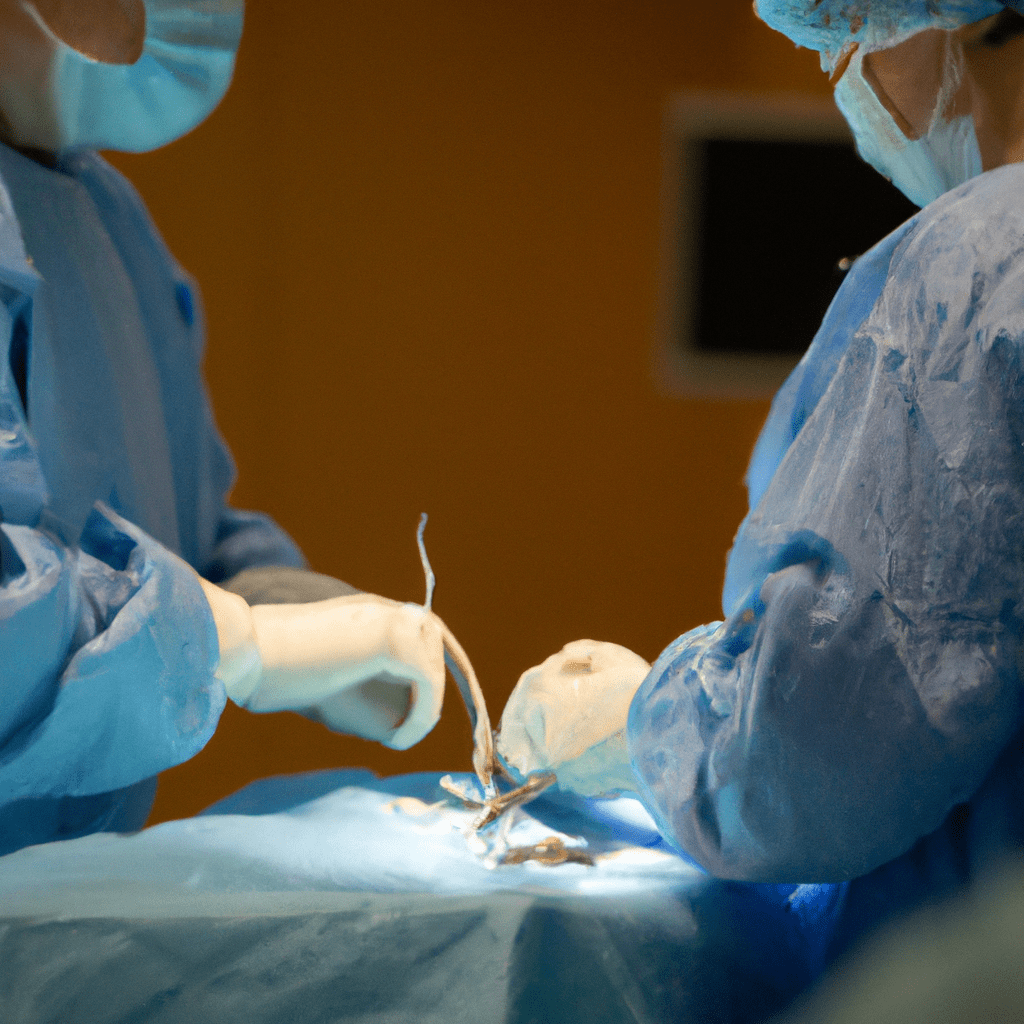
(680, 368)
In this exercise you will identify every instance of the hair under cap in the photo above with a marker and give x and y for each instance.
(833, 26)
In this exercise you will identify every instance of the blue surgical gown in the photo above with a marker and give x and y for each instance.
(856, 719)
(112, 485)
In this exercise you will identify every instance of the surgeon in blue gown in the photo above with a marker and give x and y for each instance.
(118, 644)
(856, 718)
(852, 731)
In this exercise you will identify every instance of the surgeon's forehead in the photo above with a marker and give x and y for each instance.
(833, 26)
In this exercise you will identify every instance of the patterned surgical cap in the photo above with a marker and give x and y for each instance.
(833, 26)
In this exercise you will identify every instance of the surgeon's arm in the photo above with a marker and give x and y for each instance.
(866, 676)
(116, 656)
(108, 651)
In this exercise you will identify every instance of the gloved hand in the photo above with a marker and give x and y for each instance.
(568, 715)
(361, 664)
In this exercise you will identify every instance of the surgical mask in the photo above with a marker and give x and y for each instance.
(923, 169)
(183, 72)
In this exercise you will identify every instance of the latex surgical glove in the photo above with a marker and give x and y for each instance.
(568, 715)
(361, 664)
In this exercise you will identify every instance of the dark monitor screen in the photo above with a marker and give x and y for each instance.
(774, 219)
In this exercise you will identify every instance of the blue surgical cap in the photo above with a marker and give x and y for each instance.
(832, 26)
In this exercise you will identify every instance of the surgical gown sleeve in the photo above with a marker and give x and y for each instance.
(866, 675)
(108, 653)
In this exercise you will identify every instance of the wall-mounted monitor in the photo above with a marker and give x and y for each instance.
(766, 206)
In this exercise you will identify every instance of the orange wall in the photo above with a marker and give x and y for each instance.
(427, 234)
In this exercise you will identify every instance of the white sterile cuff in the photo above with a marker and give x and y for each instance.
(240, 667)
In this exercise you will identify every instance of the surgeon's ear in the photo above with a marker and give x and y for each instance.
(111, 31)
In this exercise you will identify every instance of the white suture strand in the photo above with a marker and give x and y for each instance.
(427, 571)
